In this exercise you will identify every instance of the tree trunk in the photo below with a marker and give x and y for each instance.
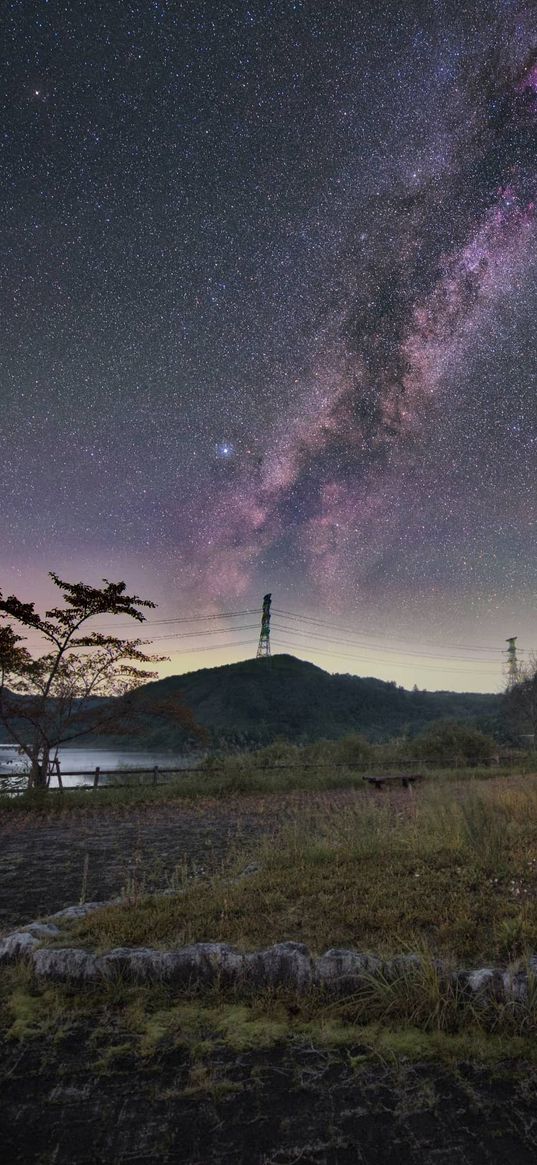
(39, 769)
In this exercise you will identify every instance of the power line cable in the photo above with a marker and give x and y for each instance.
(381, 634)
(216, 631)
(377, 638)
(216, 647)
(363, 659)
(193, 619)
(373, 646)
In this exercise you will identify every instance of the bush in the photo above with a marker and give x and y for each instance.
(352, 750)
(450, 743)
(275, 755)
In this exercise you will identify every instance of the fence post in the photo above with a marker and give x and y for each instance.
(155, 774)
(96, 777)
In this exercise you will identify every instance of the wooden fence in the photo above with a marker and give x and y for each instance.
(156, 774)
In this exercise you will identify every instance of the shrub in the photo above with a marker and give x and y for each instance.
(450, 743)
(277, 754)
(352, 750)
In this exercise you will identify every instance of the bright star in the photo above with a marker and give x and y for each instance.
(225, 449)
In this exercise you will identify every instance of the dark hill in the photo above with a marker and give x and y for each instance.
(257, 700)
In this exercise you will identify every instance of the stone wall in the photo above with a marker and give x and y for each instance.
(286, 964)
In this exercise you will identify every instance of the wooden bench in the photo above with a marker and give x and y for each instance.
(407, 780)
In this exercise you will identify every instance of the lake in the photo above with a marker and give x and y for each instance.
(109, 760)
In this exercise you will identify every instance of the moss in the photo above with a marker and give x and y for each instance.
(137, 1026)
(242, 1029)
(28, 1015)
(114, 1058)
(32, 1014)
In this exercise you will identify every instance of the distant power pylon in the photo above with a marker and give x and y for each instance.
(512, 661)
(263, 647)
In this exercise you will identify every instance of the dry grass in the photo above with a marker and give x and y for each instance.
(239, 776)
(452, 870)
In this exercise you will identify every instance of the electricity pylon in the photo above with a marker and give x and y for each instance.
(512, 661)
(263, 647)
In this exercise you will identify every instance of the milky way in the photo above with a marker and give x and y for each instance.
(270, 300)
(331, 475)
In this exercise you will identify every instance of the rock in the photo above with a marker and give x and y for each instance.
(486, 982)
(22, 942)
(42, 930)
(65, 965)
(231, 965)
(515, 985)
(459, 981)
(17, 945)
(81, 911)
(122, 961)
(285, 964)
(206, 964)
(481, 979)
(402, 966)
(202, 964)
(344, 971)
(141, 964)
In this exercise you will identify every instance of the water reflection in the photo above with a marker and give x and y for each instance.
(77, 765)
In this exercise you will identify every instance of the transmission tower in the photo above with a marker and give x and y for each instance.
(263, 647)
(512, 661)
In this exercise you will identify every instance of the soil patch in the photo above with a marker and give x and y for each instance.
(43, 863)
(272, 1107)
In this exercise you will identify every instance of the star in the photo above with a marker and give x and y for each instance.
(269, 309)
(225, 449)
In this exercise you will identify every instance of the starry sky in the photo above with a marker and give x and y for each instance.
(269, 323)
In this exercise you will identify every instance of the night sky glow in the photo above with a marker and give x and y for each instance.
(269, 323)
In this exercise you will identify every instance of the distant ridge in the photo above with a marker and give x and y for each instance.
(258, 700)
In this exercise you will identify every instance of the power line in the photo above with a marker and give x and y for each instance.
(216, 647)
(193, 619)
(379, 659)
(374, 634)
(215, 631)
(395, 650)
(377, 638)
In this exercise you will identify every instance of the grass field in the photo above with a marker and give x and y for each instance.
(237, 777)
(451, 869)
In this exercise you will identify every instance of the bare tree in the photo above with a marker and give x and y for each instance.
(521, 700)
(65, 693)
